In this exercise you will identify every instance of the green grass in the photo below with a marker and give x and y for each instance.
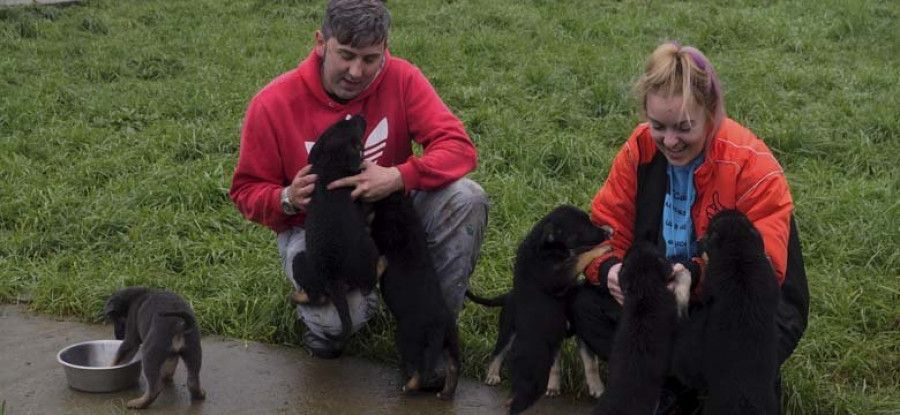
(119, 130)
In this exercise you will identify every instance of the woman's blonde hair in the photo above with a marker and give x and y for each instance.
(673, 69)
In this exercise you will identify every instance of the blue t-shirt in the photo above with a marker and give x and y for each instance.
(677, 226)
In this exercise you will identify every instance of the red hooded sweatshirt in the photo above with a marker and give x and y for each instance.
(286, 117)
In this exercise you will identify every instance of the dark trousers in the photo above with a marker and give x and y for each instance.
(595, 317)
(595, 314)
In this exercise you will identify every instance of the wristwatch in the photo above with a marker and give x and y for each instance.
(286, 206)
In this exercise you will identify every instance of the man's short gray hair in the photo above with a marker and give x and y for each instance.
(357, 23)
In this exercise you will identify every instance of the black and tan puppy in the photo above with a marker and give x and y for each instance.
(506, 333)
(740, 293)
(340, 255)
(639, 360)
(162, 324)
(546, 267)
(426, 328)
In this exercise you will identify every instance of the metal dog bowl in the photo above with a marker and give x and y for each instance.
(87, 367)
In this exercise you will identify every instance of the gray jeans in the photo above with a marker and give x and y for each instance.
(454, 217)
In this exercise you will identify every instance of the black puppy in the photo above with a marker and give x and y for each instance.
(547, 264)
(426, 328)
(641, 348)
(340, 255)
(740, 293)
(162, 324)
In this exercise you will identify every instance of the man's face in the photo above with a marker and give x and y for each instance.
(347, 71)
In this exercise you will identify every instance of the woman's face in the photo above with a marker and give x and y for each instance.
(679, 135)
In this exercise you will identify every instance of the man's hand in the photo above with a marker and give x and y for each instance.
(302, 187)
(612, 282)
(374, 183)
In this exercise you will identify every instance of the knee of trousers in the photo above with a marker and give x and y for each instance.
(582, 305)
(324, 319)
(468, 195)
(590, 307)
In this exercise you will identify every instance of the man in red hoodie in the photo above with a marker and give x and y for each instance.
(350, 71)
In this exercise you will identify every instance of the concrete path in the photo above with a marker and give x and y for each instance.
(239, 377)
(35, 2)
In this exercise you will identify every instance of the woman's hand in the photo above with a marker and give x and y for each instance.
(680, 285)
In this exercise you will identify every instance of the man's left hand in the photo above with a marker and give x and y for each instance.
(374, 183)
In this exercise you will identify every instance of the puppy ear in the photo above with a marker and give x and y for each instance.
(119, 329)
(119, 301)
(112, 307)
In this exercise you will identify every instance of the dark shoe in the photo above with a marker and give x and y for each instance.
(320, 347)
(667, 404)
(677, 399)
(778, 392)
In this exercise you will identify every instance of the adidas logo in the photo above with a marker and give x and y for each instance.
(376, 142)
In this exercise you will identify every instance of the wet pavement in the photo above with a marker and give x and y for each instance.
(239, 378)
(36, 2)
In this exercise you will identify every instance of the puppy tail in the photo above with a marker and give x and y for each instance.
(339, 296)
(497, 301)
(189, 320)
(301, 269)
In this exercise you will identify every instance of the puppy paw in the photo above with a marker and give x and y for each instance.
(139, 403)
(552, 392)
(413, 384)
(585, 258)
(445, 396)
(493, 370)
(595, 386)
(492, 380)
(300, 297)
(198, 395)
(380, 266)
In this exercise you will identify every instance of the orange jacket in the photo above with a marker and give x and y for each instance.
(738, 172)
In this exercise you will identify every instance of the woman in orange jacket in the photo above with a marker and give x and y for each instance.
(687, 162)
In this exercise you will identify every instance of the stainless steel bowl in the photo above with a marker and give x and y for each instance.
(87, 366)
